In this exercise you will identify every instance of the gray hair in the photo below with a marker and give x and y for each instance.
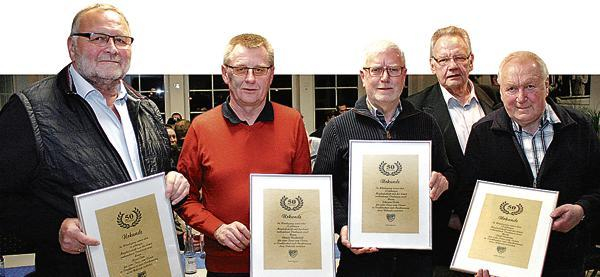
(381, 46)
(249, 41)
(519, 55)
(449, 31)
(104, 7)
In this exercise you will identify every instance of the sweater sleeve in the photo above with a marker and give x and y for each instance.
(193, 210)
(329, 162)
(301, 162)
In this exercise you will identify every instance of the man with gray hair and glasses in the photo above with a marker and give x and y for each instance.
(246, 134)
(533, 142)
(81, 130)
(380, 115)
(456, 103)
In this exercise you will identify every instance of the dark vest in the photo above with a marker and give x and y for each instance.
(74, 152)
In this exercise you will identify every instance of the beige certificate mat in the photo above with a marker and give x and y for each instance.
(134, 223)
(389, 205)
(291, 221)
(506, 230)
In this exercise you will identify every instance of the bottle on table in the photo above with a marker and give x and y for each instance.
(189, 254)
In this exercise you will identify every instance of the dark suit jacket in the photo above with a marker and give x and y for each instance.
(431, 101)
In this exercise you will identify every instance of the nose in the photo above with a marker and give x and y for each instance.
(250, 78)
(384, 76)
(110, 46)
(521, 95)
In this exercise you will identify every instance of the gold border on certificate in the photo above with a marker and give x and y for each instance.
(506, 230)
(134, 223)
(389, 205)
(291, 218)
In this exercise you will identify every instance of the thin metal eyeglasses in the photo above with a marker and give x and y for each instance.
(457, 59)
(101, 39)
(243, 70)
(393, 71)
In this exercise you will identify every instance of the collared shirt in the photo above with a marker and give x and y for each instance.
(266, 114)
(381, 116)
(535, 145)
(463, 116)
(120, 133)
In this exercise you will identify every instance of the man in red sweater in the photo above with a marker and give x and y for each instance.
(246, 134)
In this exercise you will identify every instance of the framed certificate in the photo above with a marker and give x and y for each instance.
(506, 230)
(134, 223)
(389, 204)
(291, 218)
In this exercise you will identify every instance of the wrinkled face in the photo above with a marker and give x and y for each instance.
(523, 90)
(248, 90)
(383, 90)
(95, 62)
(172, 136)
(454, 62)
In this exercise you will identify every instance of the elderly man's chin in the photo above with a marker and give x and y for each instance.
(103, 71)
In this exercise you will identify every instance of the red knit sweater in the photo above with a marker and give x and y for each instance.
(218, 156)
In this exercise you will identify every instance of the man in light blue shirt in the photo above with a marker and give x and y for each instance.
(78, 131)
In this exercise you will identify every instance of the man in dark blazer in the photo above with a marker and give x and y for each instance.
(456, 103)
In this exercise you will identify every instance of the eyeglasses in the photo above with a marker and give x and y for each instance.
(243, 71)
(101, 39)
(393, 71)
(457, 59)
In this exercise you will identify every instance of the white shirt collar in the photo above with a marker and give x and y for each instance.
(448, 96)
(84, 88)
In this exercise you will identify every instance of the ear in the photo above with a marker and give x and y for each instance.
(71, 47)
(271, 74)
(471, 62)
(362, 77)
(547, 86)
(432, 65)
(224, 74)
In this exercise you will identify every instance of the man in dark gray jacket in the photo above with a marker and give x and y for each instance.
(76, 132)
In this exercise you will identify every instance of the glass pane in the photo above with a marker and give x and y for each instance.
(324, 80)
(200, 101)
(158, 97)
(282, 81)
(220, 97)
(282, 96)
(325, 98)
(200, 82)
(347, 96)
(133, 81)
(218, 82)
(149, 82)
(321, 116)
(193, 115)
(347, 80)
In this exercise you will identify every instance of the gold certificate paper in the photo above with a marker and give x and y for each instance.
(134, 223)
(389, 205)
(390, 194)
(131, 244)
(291, 220)
(292, 229)
(506, 230)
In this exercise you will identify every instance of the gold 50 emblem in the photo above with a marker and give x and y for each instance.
(390, 169)
(291, 204)
(511, 209)
(129, 220)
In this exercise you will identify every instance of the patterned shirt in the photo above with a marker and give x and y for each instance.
(381, 117)
(535, 145)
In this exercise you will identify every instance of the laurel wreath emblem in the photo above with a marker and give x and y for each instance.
(296, 203)
(136, 220)
(384, 168)
(511, 209)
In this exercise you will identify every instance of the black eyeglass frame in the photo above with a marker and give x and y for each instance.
(89, 35)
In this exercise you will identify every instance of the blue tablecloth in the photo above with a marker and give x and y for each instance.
(18, 271)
